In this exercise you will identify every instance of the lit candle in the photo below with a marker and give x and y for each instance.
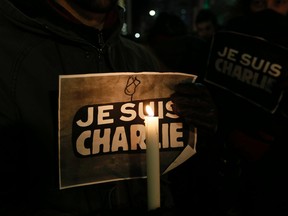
(152, 159)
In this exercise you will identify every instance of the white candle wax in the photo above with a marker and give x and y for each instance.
(153, 162)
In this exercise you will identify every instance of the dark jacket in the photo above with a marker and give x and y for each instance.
(37, 45)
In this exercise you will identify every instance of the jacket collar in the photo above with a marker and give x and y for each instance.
(37, 16)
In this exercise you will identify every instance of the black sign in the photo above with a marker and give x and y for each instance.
(248, 66)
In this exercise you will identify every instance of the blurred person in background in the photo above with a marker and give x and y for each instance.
(263, 18)
(255, 140)
(206, 24)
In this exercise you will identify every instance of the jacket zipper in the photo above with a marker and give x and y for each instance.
(100, 49)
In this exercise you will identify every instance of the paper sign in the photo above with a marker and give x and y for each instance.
(101, 126)
(250, 67)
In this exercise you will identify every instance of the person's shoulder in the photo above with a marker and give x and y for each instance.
(130, 43)
(266, 24)
(138, 52)
(133, 46)
(237, 23)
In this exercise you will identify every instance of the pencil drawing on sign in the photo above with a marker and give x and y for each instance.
(131, 86)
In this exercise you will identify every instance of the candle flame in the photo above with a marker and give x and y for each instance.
(149, 111)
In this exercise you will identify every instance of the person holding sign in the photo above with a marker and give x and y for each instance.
(254, 45)
(41, 40)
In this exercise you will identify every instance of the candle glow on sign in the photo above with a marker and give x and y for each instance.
(152, 159)
(149, 111)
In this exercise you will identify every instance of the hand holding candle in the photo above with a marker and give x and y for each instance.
(152, 159)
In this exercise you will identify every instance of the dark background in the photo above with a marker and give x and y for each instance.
(138, 18)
